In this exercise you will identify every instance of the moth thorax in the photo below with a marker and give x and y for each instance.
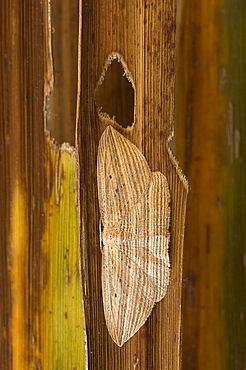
(112, 236)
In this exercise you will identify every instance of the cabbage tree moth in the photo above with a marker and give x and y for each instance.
(135, 214)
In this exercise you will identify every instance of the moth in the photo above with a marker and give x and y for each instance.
(135, 216)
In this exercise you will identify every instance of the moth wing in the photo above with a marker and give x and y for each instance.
(135, 272)
(123, 175)
(146, 233)
(127, 304)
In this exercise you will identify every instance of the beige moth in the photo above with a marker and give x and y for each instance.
(135, 218)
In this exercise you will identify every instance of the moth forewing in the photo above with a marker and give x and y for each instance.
(123, 175)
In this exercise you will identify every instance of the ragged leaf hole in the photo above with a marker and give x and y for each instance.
(114, 93)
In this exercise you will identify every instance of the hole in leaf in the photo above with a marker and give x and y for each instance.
(114, 95)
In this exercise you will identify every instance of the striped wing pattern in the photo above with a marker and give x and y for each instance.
(135, 261)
